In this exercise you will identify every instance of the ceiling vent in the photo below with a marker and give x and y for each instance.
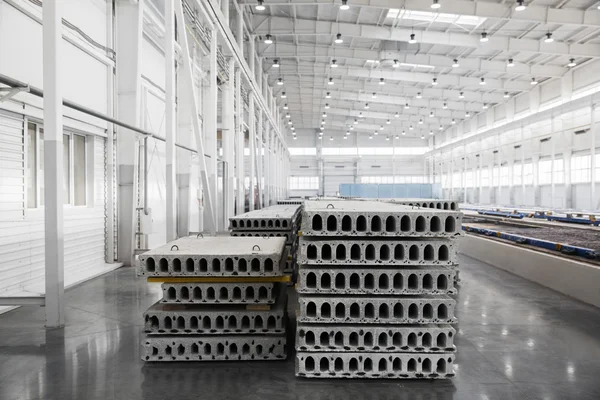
(304, 166)
(375, 166)
(518, 146)
(495, 151)
(581, 131)
(544, 140)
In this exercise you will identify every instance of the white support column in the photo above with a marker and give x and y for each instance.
(225, 9)
(191, 97)
(593, 134)
(170, 117)
(552, 157)
(259, 160)
(209, 131)
(522, 167)
(451, 176)
(252, 55)
(240, 143)
(129, 18)
(464, 174)
(53, 165)
(252, 146)
(267, 166)
(228, 139)
(240, 29)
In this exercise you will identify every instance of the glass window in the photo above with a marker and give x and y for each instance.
(304, 183)
(66, 170)
(485, 177)
(581, 169)
(559, 171)
(504, 178)
(31, 165)
(469, 179)
(528, 174)
(545, 172)
(517, 174)
(79, 170)
(495, 176)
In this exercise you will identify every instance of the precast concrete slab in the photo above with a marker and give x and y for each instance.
(376, 310)
(361, 251)
(374, 365)
(287, 235)
(374, 219)
(376, 281)
(215, 256)
(375, 338)
(439, 204)
(214, 348)
(193, 319)
(278, 217)
(290, 202)
(221, 293)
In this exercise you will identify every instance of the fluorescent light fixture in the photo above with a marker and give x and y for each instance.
(397, 115)
(411, 128)
(280, 81)
(436, 4)
(520, 5)
(331, 82)
(283, 95)
(482, 82)
(381, 81)
(511, 63)
(421, 121)
(406, 107)
(324, 115)
(398, 136)
(260, 6)
(431, 132)
(422, 137)
(417, 65)
(327, 106)
(376, 133)
(347, 133)
(572, 63)
(292, 128)
(275, 63)
(506, 95)
(295, 137)
(412, 39)
(388, 122)
(396, 64)
(381, 128)
(321, 128)
(455, 64)
(484, 37)
(268, 39)
(288, 115)
(549, 38)
(431, 115)
(461, 95)
(290, 122)
(485, 106)
(344, 5)
(453, 121)
(351, 127)
(445, 106)
(345, 137)
(374, 96)
(328, 95)
(338, 38)
(387, 138)
(403, 133)
(285, 106)
(334, 64)
(355, 122)
(331, 138)
(419, 95)
(434, 82)
(366, 106)
(468, 114)
(534, 81)
(370, 136)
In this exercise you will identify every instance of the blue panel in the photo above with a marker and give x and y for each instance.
(413, 190)
(386, 191)
(346, 189)
(426, 191)
(400, 191)
(436, 191)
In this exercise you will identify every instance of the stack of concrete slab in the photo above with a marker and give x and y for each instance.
(223, 299)
(274, 221)
(288, 202)
(375, 286)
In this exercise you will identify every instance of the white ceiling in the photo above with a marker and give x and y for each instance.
(376, 32)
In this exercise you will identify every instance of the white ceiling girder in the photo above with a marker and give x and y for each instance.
(289, 26)
(400, 92)
(483, 9)
(290, 50)
(397, 129)
(322, 69)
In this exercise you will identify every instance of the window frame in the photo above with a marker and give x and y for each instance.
(39, 167)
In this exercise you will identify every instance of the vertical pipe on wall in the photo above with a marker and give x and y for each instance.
(252, 147)
(240, 143)
(110, 146)
(53, 165)
(228, 138)
(209, 117)
(170, 128)
(259, 160)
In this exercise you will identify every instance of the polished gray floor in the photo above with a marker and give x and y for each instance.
(517, 340)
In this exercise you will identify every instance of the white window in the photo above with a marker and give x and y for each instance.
(301, 151)
(469, 179)
(559, 171)
(304, 182)
(517, 174)
(495, 176)
(545, 172)
(581, 169)
(456, 177)
(504, 178)
(74, 168)
(528, 173)
(485, 177)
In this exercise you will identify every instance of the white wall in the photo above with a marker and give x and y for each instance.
(85, 72)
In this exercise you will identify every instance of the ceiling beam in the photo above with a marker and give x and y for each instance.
(289, 50)
(444, 80)
(295, 84)
(539, 14)
(281, 26)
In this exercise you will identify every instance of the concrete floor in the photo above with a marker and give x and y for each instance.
(517, 340)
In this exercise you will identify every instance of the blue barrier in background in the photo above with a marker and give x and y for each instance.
(389, 190)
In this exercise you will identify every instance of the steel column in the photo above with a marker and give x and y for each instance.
(227, 138)
(53, 165)
(170, 129)
(252, 147)
(240, 143)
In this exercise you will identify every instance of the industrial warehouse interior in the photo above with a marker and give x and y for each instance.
(299, 199)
